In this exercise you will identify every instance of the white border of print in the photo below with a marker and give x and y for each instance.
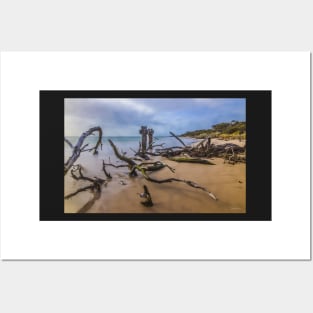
(23, 74)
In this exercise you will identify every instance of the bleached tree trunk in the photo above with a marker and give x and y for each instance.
(78, 148)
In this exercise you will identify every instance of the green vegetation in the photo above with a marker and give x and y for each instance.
(234, 129)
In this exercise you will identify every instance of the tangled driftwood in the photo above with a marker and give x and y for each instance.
(144, 168)
(203, 149)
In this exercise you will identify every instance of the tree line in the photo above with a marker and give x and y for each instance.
(231, 128)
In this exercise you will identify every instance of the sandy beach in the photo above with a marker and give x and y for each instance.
(120, 195)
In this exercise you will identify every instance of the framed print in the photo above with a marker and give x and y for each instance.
(166, 155)
(142, 172)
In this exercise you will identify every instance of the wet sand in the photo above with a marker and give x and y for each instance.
(226, 181)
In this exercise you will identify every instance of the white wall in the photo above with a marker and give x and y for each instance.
(149, 286)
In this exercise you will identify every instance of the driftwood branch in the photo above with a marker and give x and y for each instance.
(191, 160)
(178, 139)
(116, 166)
(156, 166)
(171, 148)
(108, 175)
(69, 143)
(77, 149)
(172, 179)
(146, 194)
(131, 163)
(90, 203)
(153, 145)
(78, 169)
(78, 191)
(96, 190)
(95, 187)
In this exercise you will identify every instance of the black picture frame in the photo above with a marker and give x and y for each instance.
(258, 170)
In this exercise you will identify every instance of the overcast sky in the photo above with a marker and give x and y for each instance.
(123, 117)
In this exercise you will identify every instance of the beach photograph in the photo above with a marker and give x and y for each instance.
(155, 155)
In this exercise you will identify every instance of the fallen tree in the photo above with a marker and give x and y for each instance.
(79, 148)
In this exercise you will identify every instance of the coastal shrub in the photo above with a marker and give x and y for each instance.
(231, 130)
